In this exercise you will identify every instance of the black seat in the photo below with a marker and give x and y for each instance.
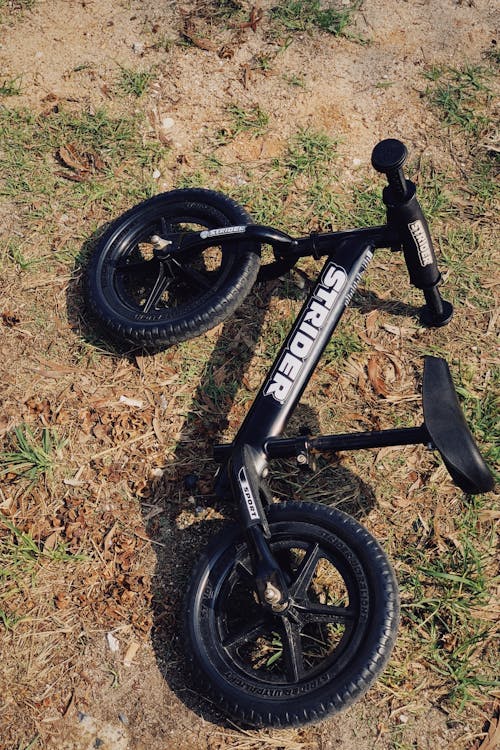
(449, 432)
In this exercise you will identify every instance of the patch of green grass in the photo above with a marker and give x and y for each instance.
(21, 557)
(31, 455)
(483, 182)
(463, 252)
(10, 87)
(276, 332)
(341, 346)
(264, 200)
(482, 412)
(310, 152)
(299, 179)
(192, 179)
(8, 620)
(37, 182)
(264, 62)
(460, 96)
(308, 15)
(328, 207)
(253, 120)
(134, 82)
(434, 193)
(13, 253)
(443, 596)
(366, 207)
(295, 80)
(23, 550)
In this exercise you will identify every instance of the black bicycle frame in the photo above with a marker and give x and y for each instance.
(348, 255)
(303, 347)
(247, 456)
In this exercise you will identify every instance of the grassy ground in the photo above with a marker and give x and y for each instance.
(92, 493)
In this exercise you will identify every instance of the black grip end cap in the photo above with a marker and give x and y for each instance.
(389, 155)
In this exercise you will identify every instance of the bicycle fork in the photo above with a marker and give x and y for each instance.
(247, 489)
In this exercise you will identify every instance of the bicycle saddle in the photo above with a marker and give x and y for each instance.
(449, 432)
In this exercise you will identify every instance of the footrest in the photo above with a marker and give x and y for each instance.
(449, 432)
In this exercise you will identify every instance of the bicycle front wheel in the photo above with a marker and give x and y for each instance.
(320, 654)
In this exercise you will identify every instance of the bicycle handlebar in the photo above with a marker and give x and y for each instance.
(388, 157)
(405, 215)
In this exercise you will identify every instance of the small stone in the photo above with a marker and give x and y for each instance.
(138, 48)
(113, 643)
(156, 174)
(123, 719)
(167, 123)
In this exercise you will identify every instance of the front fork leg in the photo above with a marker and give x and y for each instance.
(270, 584)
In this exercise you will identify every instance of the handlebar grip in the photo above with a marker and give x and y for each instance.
(388, 157)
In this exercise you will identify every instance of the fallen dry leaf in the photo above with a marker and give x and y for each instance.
(70, 157)
(191, 34)
(109, 537)
(371, 322)
(492, 739)
(130, 653)
(377, 381)
(82, 163)
(51, 541)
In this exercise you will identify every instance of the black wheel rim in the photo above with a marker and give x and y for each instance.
(158, 289)
(320, 632)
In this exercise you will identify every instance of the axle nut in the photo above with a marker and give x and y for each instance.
(272, 595)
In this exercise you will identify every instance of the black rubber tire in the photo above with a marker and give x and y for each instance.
(229, 633)
(119, 273)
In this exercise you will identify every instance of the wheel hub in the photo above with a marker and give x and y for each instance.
(274, 597)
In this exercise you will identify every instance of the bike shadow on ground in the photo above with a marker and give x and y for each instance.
(191, 513)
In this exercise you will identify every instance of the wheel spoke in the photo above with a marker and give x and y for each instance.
(311, 612)
(305, 572)
(245, 574)
(292, 651)
(250, 630)
(192, 274)
(161, 284)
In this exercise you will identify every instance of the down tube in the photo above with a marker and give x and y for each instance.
(303, 347)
